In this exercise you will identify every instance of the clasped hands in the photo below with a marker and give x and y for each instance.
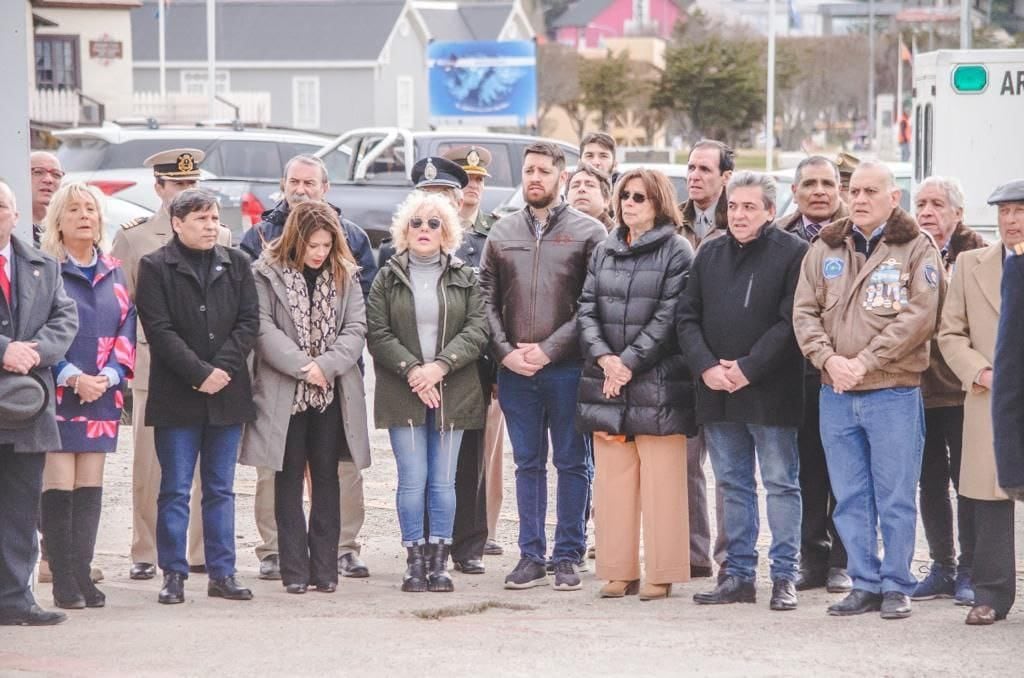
(423, 380)
(845, 373)
(725, 376)
(526, 359)
(616, 375)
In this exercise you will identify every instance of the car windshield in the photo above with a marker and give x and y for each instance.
(87, 154)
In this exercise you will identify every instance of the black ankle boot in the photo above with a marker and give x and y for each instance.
(438, 579)
(85, 523)
(55, 520)
(415, 579)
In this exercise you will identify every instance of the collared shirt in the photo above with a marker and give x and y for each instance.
(538, 225)
(8, 252)
(863, 244)
(811, 228)
(704, 220)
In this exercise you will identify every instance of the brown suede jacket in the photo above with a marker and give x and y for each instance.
(882, 310)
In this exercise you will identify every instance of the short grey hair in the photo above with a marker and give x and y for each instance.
(951, 186)
(876, 164)
(191, 200)
(748, 178)
(814, 161)
(307, 159)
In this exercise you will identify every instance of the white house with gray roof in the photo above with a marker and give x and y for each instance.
(331, 65)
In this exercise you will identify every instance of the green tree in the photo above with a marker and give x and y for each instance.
(605, 86)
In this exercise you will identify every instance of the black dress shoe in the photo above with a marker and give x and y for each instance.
(493, 548)
(229, 588)
(173, 590)
(858, 601)
(471, 566)
(838, 581)
(295, 588)
(349, 565)
(895, 605)
(731, 590)
(270, 567)
(700, 571)
(33, 616)
(197, 569)
(811, 579)
(326, 587)
(142, 571)
(783, 595)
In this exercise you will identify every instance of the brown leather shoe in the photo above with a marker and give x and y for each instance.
(618, 589)
(982, 615)
(651, 591)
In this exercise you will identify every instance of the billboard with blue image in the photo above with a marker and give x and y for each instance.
(483, 83)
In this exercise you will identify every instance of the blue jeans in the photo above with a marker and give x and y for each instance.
(873, 444)
(536, 407)
(733, 448)
(216, 449)
(426, 460)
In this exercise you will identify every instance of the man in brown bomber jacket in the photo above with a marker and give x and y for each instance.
(865, 311)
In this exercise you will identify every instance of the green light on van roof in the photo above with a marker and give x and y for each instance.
(970, 78)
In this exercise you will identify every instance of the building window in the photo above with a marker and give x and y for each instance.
(405, 113)
(194, 82)
(57, 64)
(306, 102)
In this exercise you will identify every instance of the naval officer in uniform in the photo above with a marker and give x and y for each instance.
(175, 171)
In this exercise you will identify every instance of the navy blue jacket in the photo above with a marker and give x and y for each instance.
(272, 225)
(1008, 377)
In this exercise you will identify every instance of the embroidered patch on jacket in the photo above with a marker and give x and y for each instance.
(931, 275)
(885, 289)
(832, 267)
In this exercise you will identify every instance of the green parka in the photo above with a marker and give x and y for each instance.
(394, 344)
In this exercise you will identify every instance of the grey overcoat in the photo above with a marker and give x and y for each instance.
(277, 368)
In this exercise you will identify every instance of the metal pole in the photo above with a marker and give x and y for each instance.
(965, 24)
(769, 123)
(871, 74)
(161, 19)
(211, 56)
(15, 33)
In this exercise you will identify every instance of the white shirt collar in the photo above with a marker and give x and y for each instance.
(8, 252)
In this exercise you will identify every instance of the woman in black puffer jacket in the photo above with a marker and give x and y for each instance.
(636, 395)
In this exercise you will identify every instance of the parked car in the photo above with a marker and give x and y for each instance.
(371, 168)
(117, 211)
(784, 203)
(243, 167)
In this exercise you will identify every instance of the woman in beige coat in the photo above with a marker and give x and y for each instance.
(967, 339)
(307, 387)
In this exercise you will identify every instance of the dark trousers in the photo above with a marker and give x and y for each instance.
(995, 576)
(820, 545)
(21, 484)
(470, 531)
(310, 556)
(943, 444)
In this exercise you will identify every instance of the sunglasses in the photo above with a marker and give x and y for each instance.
(417, 222)
(637, 198)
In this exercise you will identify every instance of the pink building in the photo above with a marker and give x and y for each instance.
(587, 23)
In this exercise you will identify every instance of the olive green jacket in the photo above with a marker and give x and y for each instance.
(394, 344)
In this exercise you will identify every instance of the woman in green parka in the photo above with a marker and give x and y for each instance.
(425, 331)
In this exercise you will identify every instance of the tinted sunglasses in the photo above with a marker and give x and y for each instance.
(637, 198)
(417, 222)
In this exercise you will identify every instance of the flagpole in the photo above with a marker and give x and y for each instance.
(211, 56)
(769, 129)
(899, 83)
(161, 48)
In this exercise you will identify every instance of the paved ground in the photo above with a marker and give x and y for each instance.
(369, 627)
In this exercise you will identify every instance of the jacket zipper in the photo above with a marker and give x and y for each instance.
(750, 285)
(538, 235)
(444, 330)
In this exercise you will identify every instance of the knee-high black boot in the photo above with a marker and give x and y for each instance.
(85, 523)
(56, 524)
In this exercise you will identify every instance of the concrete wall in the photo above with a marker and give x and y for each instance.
(108, 81)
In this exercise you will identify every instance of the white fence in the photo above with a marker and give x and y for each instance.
(64, 107)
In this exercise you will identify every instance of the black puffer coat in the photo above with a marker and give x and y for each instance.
(627, 309)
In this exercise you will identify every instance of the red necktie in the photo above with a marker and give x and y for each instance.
(5, 282)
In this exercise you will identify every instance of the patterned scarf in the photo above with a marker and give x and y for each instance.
(317, 324)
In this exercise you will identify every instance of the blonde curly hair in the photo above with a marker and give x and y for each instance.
(451, 226)
(52, 241)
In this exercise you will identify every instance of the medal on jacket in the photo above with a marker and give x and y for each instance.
(885, 288)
